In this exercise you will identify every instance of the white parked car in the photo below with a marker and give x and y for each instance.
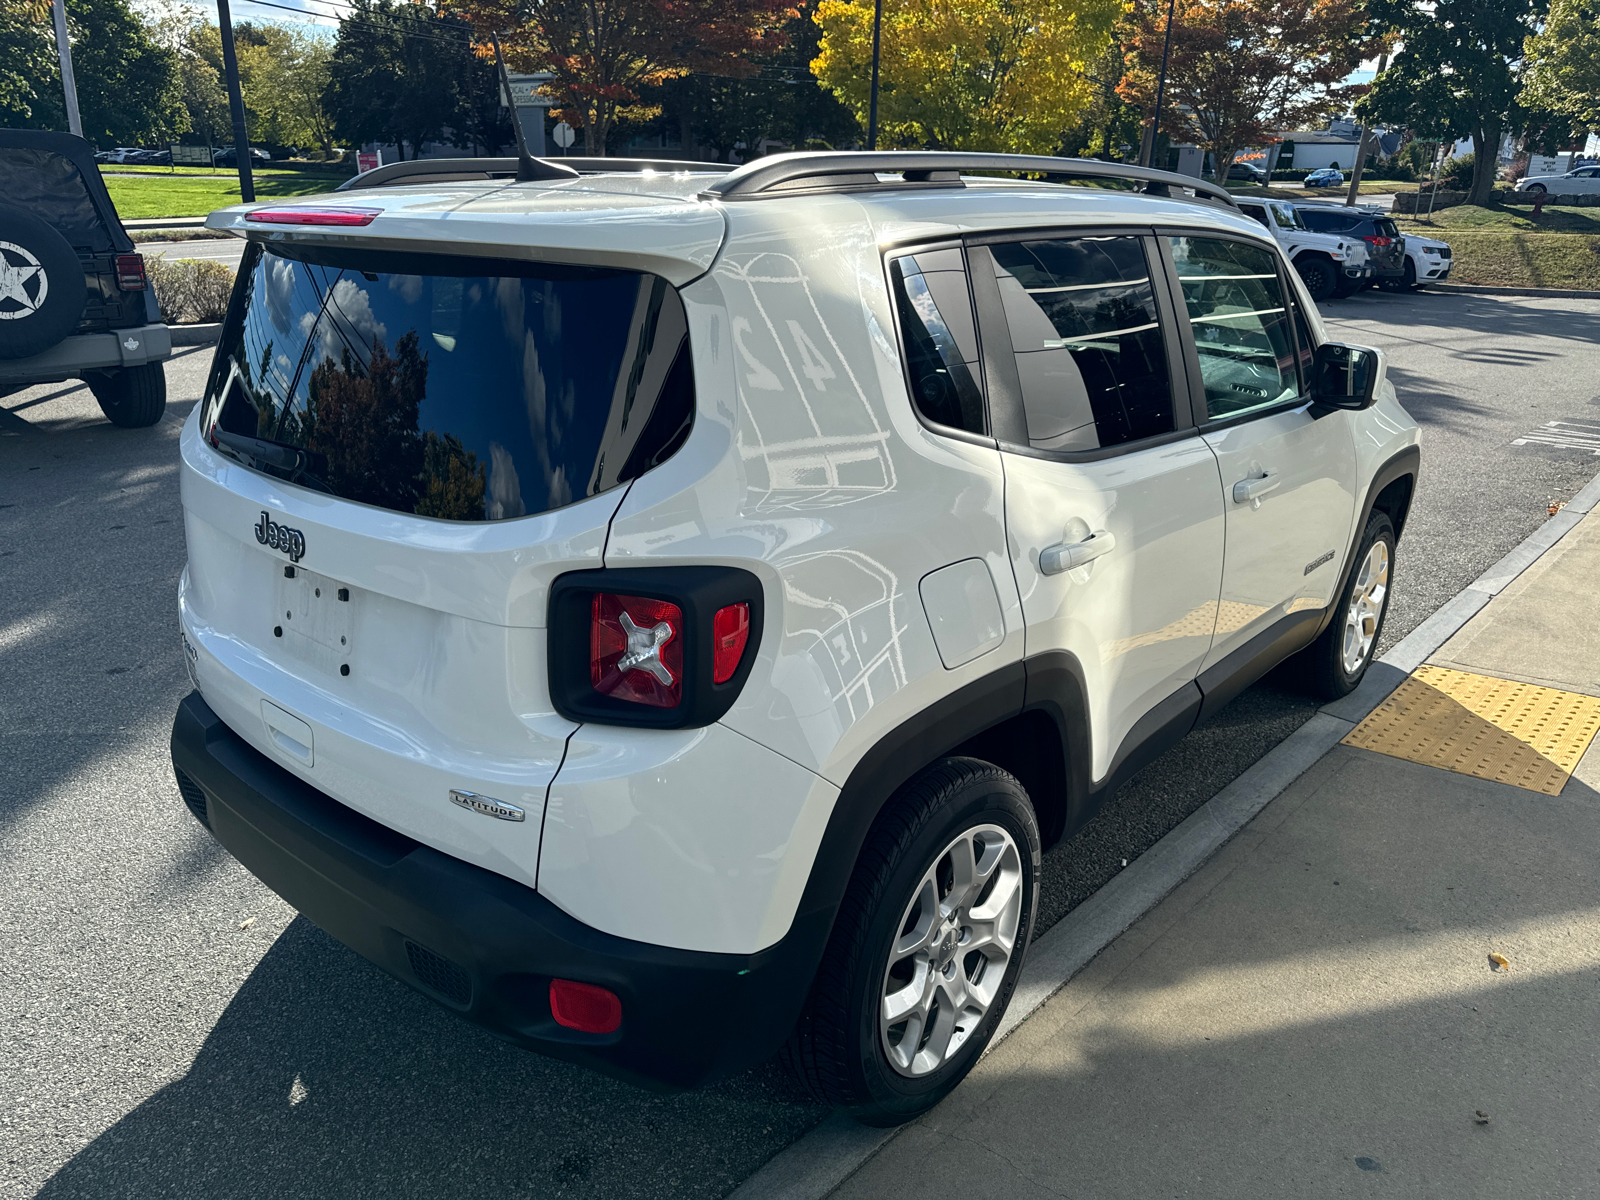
(1331, 265)
(1581, 182)
(1428, 260)
(662, 617)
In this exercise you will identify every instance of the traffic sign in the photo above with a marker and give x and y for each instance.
(563, 134)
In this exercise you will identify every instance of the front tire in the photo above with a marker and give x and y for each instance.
(133, 397)
(1338, 660)
(926, 948)
(1319, 276)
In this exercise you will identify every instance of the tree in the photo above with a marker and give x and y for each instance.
(784, 102)
(396, 73)
(967, 74)
(128, 91)
(606, 54)
(1239, 69)
(1456, 72)
(1562, 64)
(1107, 122)
(26, 56)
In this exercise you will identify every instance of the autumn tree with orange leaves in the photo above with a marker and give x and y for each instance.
(606, 54)
(1241, 68)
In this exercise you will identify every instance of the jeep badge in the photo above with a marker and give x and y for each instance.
(280, 537)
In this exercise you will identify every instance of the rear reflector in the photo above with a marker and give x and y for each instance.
(130, 272)
(636, 649)
(584, 1007)
(730, 629)
(314, 216)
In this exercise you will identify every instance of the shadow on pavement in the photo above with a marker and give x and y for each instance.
(325, 1078)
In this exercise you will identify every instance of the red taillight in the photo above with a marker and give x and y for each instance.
(636, 649)
(730, 629)
(130, 272)
(314, 216)
(1378, 241)
(584, 1007)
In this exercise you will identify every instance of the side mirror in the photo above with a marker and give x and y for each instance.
(1346, 376)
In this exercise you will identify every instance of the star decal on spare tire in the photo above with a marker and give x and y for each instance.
(15, 276)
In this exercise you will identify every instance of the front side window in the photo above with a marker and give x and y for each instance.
(935, 308)
(1087, 335)
(463, 389)
(1285, 217)
(1236, 309)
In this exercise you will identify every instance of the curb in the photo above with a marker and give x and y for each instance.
(196, 335)
(164, 223)
(1485, 290)
(810, 1168)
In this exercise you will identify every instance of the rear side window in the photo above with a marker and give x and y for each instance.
(1324, 220)
(1387, 228)
(464, 389)
(1088, 341)
(1255, 212)
(941, 340)
(1235, 305)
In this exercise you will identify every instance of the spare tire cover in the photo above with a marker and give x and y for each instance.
(42, 289)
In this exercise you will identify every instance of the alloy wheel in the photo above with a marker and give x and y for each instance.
(1367, 600)
(951, 949)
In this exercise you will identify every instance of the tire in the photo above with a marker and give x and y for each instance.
(1405, 283)
(1535, 187)
(1336, 662)
(887, 936)
(1319, 275)
(1410, 283)
(45, 297)
(133, 397)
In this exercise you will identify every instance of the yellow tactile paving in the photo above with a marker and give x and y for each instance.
(1518, 733)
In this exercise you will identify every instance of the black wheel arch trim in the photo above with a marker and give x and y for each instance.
(1407, 461)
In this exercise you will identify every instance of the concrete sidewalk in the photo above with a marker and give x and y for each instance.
(1315, 1012)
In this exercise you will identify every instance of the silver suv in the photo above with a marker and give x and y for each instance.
(663, 616)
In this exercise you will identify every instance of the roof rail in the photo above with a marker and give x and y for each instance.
(851, 170)
(451, 170)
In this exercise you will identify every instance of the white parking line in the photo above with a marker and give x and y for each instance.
(1564, 435)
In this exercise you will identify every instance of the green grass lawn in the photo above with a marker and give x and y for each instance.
(164, 195)
(1506, 247)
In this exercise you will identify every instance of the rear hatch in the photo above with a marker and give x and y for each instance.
(53, 176)
(402, 445)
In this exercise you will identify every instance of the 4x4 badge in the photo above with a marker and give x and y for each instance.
(280, 537)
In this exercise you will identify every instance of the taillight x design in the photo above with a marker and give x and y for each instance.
(636, 649)
(668, 647)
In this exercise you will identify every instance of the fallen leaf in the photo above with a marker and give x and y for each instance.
(1499, 962)
(247, 922)
(1481, 1117)
(1557, 506)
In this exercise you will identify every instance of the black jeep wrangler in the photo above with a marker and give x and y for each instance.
(74, 301)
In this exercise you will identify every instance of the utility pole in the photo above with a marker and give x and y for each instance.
(241, 140)
(69, 85)
(872, 103)
(1147, 151)
(1361, 150)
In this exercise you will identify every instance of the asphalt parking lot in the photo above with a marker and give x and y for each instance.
(168, 1027)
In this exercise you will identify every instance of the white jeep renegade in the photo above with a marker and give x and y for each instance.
(662, 616)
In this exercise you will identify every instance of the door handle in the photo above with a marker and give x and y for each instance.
(1250, 491)
(1067, 555)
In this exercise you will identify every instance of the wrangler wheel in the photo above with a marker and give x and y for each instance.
(927, 945)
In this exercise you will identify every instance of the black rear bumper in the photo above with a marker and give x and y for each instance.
(482, 945)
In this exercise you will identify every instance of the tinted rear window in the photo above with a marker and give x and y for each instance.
(459, 388)
(49, 186)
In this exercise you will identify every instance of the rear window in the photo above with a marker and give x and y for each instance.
(459, 388)
(49, 186)
(1387, 228)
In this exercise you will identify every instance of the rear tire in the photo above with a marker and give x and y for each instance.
(1319, 276)
(1337, 661)
(133, 397)
(899, 1011)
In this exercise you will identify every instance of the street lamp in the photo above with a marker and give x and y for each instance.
(872, 105)
(1161, 84)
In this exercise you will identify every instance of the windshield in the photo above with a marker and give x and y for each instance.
(459, 388)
